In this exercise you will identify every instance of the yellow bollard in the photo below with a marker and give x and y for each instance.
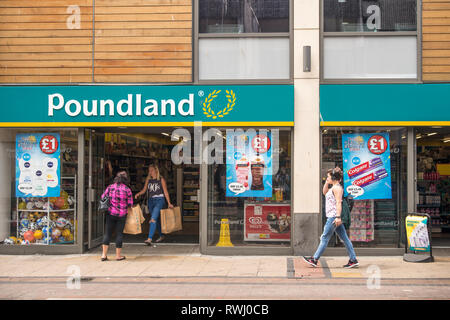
(224, 239)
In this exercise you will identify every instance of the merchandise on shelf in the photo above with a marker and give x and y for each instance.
(362, 221)
(46, 220)
(134, 155)
(190, 206)
(433, 187)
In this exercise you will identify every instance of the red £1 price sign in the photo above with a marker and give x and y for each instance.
(48, 144)
(377, 144)
(261, 143)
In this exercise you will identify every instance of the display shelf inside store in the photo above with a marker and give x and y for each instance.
(190, 201)
(362, 221)
(430, 179)
(431, 205)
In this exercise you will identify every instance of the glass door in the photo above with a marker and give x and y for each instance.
(95, 181)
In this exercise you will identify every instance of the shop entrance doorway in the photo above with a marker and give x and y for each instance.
(433, 180)
(133, 150)
(94, 182)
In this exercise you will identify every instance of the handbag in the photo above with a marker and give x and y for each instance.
(144, 205)
(345, 214)
(144, 208)
(104, 204)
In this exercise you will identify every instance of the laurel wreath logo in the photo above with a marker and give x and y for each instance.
(231, 97)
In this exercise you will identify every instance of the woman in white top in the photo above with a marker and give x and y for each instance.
(333, 209)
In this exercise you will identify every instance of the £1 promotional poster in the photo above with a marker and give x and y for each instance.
(367, 166)
(38, 165)
(249, 164)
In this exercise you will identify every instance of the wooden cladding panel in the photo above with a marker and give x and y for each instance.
(134, 41)
(436, 40)
(143, 41)
(45, 41)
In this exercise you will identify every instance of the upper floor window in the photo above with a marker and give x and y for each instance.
(370, 40)
(244, 40)
(243, 16)
(369, 15)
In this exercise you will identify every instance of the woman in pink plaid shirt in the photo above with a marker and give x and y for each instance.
(120, 199)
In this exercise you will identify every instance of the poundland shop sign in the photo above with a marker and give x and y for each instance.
(78, 106)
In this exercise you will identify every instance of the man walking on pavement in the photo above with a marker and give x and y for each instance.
(333, 209)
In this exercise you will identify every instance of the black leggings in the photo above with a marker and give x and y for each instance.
(116, 224)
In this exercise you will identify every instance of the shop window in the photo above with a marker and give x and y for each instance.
(244, 40)
(370, 57)
(367, 39)
(369, 15)
(249, 199)
(39, 191)
(433, 180)
(246, 58)
(248, 16)
(374, 179)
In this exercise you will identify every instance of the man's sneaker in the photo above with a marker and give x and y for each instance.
(351, 264)
(311, 261)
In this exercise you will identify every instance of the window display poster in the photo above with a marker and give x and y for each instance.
(38, 165)
(267, 222)
(367, 166)
(249, 164)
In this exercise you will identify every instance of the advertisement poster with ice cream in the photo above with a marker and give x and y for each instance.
(267, 222)
(38, 165)
(249, 164)
(367, 166)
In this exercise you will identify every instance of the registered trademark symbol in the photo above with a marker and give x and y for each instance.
(201, 93)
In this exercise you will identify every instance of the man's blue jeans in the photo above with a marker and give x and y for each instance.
(154, 207)
(328, 231)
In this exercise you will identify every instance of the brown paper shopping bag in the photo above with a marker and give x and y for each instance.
(134, 220)
(141, 216)
(171, 220)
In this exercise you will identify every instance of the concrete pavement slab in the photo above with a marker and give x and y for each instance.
(304, 270)
(192, 264)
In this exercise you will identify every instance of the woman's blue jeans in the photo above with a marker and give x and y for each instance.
(328, 231)
(154, 207)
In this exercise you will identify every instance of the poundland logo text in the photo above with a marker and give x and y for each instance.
(131, 106)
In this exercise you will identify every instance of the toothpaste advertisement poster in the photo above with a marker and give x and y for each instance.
(249, 164)
(367, 166)
(38, 165)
